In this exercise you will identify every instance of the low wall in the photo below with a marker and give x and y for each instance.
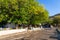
(6, 32)
(38, 28)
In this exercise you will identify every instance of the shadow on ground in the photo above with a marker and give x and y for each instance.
(56, 35)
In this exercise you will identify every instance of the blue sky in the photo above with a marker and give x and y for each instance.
(53, 6)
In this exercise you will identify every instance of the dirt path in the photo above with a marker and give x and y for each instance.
(32, 35)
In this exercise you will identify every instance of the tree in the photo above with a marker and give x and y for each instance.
(56, 20)
(41, 17)
(22, 12)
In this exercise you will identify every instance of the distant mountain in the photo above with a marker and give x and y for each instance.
(57, 14)
(51, 17)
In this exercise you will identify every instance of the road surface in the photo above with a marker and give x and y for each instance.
(47, 34)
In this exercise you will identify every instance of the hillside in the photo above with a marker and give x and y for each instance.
(51, 17)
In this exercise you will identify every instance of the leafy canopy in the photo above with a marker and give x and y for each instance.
(22, 11)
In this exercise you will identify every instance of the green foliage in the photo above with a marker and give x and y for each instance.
(41, 17)
(56, 20)
(22, 11)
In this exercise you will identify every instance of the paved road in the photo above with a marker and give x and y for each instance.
(47, 34)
